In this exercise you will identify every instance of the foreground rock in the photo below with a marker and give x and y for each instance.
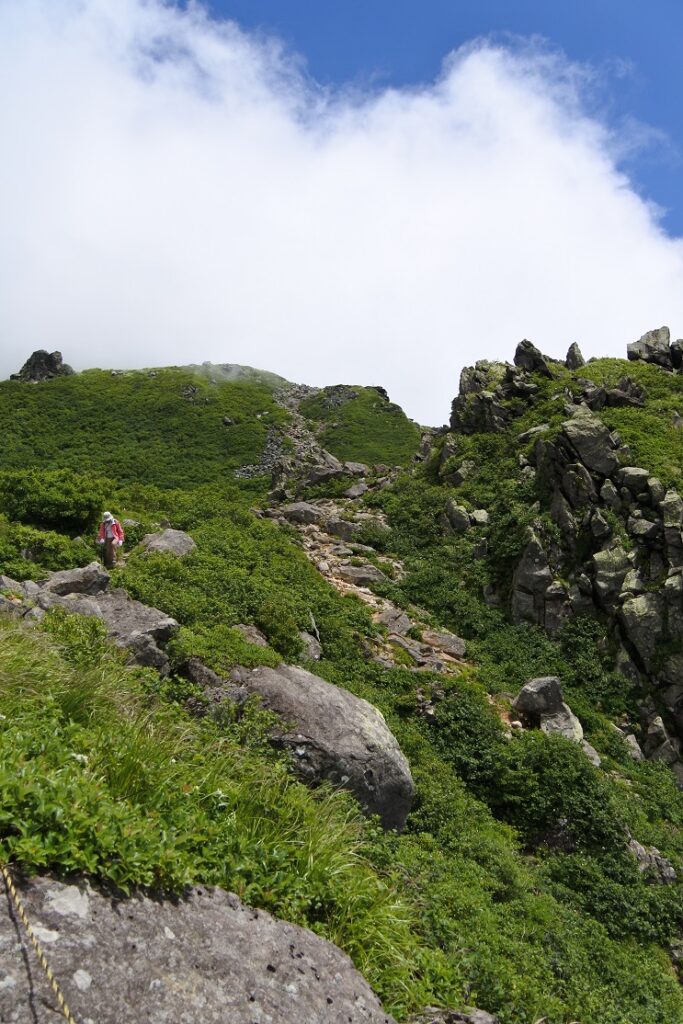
(336, 737)
(205, 959)
(42, 365)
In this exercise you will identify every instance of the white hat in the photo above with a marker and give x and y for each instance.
(107, 515)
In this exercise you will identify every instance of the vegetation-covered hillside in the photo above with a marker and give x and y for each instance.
(514, 885)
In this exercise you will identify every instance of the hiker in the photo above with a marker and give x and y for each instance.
(112, 536)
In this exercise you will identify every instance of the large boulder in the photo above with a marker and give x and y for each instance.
(202, 959)
(653, 347)
(168, 542)
(336, 737)
(42, 365)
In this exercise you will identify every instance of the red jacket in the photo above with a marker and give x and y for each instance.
(116, 529)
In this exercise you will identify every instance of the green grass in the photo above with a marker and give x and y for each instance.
(363, 427)
(136, 427)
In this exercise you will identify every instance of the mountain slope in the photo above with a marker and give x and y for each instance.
(513, 886)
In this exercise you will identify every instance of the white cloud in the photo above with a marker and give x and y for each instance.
(174, 190)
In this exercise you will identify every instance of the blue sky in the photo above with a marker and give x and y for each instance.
(634, 47)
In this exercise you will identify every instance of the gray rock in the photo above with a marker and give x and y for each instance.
(302, 512)
(653, 347)
(634, 748)
(312, 646)
(643, 529)
(360, 575)
(609, 571)
(337, 737)
(458, 516)
(642, 621)
(251, 634)
(443, 641)
(633, 477)
(343, 528)
(578, 486)
(563, 723)
(591, 753)
(591, 441)
(92, 579)
(650, 861)
(42, 365)
(542, 696)
(356, 490)
(599, 526)
(356, 468)
(327, 467)
(202, 959)
(168, 542)
(394, 620)
(530, 580)
(529, 358)
(610, 496)
(457, 477)
(676, 351)
(561, 512)
(656, 490)
(479, 517)
(574, 360)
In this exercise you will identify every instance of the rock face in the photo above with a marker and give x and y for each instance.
(168, 542)
(203, 959)
(336, 737)
(42, 365)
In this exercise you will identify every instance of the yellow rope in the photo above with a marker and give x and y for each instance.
(54, 984)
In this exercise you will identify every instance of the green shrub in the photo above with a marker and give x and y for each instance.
(54, 498)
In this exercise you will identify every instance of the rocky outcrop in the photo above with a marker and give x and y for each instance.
(653, 347)
(202, 959)
(529, 358)
(42, 365)
(168, 542)
(141, 630)
(336, 737)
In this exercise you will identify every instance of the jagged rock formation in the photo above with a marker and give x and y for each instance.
(202, 959)
(141, 630)
(655, 347)
(586, 475)
(42, 365)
